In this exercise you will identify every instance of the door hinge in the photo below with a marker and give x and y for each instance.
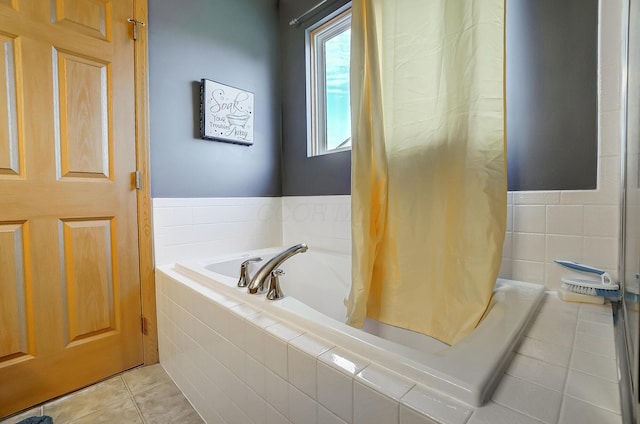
(143, 323)
(135, 23)
(136, 178)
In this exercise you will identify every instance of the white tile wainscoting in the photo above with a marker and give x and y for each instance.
(188, 228)
(237, 364)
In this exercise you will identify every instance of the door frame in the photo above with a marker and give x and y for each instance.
(145, 213)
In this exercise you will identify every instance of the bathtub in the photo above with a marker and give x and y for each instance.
(315, 285)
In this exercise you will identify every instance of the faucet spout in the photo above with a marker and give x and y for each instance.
(262, 276)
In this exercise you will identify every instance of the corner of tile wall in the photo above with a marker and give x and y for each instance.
(323, 222)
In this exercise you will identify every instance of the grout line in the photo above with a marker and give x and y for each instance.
(133, 399)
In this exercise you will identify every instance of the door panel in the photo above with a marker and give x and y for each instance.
(88, 279)
(13, 292)
(69, 279)
(82, 112)
(89, 17)
(10, 142)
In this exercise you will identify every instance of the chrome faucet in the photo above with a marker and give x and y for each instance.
(261, 277)
(244, 271)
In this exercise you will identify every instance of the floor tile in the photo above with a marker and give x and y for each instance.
(34, 412)
(163, 403)
(123, 412)
(87, 401)
(144, 378)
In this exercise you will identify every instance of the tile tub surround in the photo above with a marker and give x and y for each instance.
(541, 226)
(237, 364)
(142, 395)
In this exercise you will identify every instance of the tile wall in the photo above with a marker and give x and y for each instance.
(190, 228)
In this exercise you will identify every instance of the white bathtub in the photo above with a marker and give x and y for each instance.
(316, 284)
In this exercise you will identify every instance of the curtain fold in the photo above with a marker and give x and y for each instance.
(428, 162)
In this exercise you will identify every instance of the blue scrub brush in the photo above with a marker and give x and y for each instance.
(604, 287)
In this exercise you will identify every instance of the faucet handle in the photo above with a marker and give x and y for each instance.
(244, 271)
(274, 292)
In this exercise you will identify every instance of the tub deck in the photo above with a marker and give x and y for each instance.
(468, 371)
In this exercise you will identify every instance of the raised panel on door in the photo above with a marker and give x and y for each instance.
(82, 109)
(89, 280)
(91, 17)
(13, 4)
(15, 294)
(11, 137)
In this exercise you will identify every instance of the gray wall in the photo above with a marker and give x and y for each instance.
(303, 176)
(551, 100)
(552, 94)
(232, 42)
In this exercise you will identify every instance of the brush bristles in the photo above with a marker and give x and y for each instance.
(590, 291)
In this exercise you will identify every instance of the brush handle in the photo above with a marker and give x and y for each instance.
(580, 267)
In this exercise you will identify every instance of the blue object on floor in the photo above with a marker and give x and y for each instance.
(45, 419)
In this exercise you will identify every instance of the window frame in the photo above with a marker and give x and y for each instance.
(316, 37)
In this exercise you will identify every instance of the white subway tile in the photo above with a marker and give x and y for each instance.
(371, 407)
(255, 376)
(437, 407)
(302, 409)
(598, 366)
(344, 361)
(275, 417)
(600, 252)
(277, 391)
(530, 399)
(528, 247)
(255, 407)
(409, 416)
(530, 272)
(596, 391)
(509, 217)
(601, 221)
(275, 351)
(563, 247)
(565, 219)
(302, 371)
(595, 329)
(492, 413)
(327, 417)
(335, 391)
(595, 345)
(507, 246)
(536, 198)
(506, 269)
(529, 218)
(384, 381)
(610, 130)
(538, 372)
(548, 352)
(576, 411)
(171, 216)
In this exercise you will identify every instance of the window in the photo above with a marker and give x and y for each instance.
(328, 111)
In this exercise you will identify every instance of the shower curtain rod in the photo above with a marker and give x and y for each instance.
(300, 19)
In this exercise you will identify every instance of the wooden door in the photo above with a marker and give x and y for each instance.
(69, 279)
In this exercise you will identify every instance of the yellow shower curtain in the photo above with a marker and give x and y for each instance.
(428, 162)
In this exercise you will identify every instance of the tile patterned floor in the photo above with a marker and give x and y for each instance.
(140, 396)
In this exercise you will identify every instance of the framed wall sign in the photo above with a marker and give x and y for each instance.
(226, 113)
